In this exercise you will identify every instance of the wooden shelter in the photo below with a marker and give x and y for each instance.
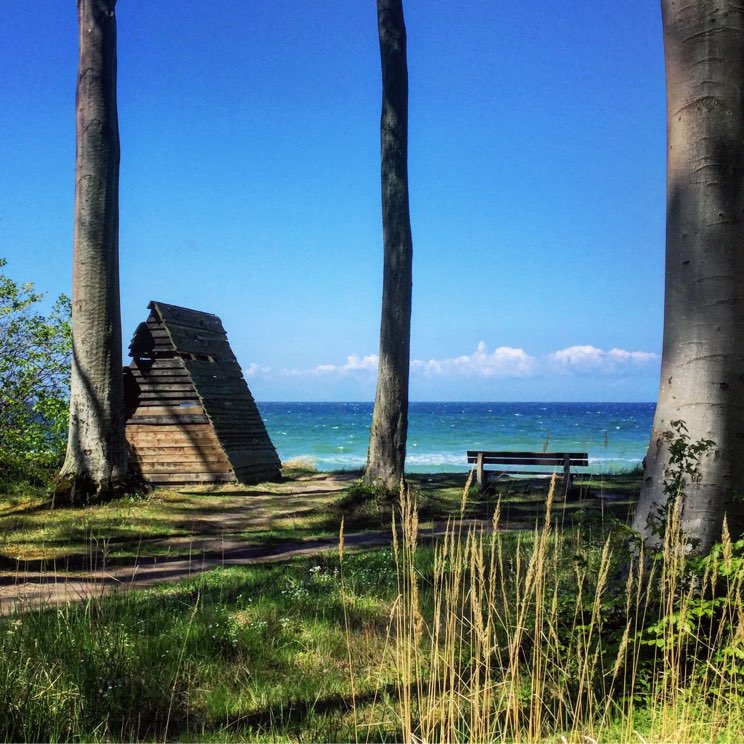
(190, 416)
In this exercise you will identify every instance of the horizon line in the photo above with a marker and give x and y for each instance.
(484, 402)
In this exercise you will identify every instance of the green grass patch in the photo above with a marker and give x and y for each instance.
(307, 505)
(163, 521)
(242, 652)
(517, 634)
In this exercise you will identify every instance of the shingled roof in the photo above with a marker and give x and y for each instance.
(190, 415)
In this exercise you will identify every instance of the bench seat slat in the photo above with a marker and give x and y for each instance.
(562, 462)
(525, 461)
(577, 459)
(548, 473)
(539, 455)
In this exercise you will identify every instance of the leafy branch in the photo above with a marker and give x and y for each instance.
(34, 379)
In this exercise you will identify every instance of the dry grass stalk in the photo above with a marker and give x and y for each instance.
(488, 653)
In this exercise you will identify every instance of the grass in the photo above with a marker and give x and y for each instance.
(540, 628)
(559, 636)
(305, 506)
(236, 653)
(164, 522)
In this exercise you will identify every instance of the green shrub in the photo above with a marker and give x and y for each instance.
(34, 382)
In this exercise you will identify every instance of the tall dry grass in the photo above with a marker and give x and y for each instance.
(536, 637)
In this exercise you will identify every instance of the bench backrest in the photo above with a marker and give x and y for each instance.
(575, 459)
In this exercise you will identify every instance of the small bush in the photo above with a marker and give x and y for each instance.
(364, 499)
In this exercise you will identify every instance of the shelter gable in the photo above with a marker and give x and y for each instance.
(185, 389)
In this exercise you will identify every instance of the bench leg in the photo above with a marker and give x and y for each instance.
(479, 472)
(566, 476)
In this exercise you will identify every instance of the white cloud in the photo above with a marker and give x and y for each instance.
(637, 357)
(253, 370)
(590, 359)
(353, 363)
(504, 361)
(576, 356)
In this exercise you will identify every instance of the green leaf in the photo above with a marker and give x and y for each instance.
(35, 351)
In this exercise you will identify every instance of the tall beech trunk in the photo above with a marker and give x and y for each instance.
(702, 373)
(387, 442)
(96, 462)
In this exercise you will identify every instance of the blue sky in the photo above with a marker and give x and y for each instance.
(250, 186)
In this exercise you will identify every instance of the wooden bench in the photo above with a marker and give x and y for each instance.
(563, 460)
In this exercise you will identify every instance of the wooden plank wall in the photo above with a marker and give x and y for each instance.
(171, 439)
(237, 422)
(194, 419)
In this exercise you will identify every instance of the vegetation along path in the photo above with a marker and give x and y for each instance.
(68, 555)
(51, 557)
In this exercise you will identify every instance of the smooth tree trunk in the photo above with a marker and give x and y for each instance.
(702, 374)
(387, 443)
(96, 462)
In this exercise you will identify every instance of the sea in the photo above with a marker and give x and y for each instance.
(335, 436)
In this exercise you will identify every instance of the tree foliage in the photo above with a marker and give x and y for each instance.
(34, 380)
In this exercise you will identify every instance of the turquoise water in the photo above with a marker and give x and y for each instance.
(334, 436)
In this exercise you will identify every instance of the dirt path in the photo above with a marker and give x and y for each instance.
(212, 541)
(21, 591)
(207, 530)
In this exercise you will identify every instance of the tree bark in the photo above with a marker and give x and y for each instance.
(702, 375)
(96, 462)
(387, 443)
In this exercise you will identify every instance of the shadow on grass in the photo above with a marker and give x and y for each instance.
(269, 523)
(168, 568)
(293, 716)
